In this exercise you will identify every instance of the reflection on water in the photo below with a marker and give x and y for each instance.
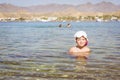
(80, 64)
(38, 51)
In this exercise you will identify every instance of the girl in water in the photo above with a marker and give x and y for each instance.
(81, 49)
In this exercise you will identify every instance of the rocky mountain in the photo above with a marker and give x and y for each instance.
(59, 10)
(52, 8)
(10, 8)
(99, 7)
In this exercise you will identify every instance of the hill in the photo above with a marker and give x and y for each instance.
(58, 10)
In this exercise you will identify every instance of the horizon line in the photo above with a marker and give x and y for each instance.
(59, 4)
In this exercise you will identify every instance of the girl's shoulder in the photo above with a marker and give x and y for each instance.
(72, 49)
(87, 49)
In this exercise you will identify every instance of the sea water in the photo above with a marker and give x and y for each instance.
(38, 51)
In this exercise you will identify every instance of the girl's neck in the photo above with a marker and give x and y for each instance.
(80, 47)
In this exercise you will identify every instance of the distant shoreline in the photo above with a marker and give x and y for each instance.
(104, 18)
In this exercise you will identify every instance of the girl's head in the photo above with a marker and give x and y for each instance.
(81, 38)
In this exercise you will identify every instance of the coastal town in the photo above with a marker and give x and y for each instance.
(104, 18)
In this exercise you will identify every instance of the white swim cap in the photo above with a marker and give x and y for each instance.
(80, 34)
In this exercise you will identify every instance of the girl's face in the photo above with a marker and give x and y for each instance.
(81, 42)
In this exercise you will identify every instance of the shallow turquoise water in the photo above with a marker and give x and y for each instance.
(36, 50)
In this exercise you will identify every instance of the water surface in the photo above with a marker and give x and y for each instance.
(38, 51)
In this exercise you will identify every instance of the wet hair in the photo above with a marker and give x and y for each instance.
(86, 43)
